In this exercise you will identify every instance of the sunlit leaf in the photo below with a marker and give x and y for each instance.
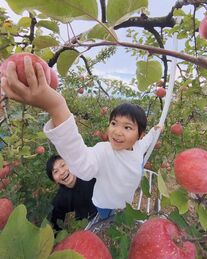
(1, 161)
(21, 239)
(62, 10)
(179, 198)
(120, 10)
(65, 61)
(202, 214)
(48, 25)
(162, 186)
(148, 72)
(100, 32)
(24, 22)
(42, 42)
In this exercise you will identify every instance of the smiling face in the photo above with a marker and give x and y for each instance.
(122, 133)
(62, 175)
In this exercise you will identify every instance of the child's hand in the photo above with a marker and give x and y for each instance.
(158, 126)
(38, 93)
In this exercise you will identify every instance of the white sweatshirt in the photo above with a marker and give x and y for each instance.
(117, 173)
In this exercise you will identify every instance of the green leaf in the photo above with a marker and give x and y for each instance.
(62, 10)
(66, 254)
(65, 61)
(178, 219)
(202, 214)
(124, 246)
(100, 32)
(129, 215)
(120, 10)
(179, 198)
(21, 239)
(42, 42)
(148, 73)
(24, 22)
(145, 186)
(48, 25)
(161, 186)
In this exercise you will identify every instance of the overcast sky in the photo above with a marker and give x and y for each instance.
(122, 65)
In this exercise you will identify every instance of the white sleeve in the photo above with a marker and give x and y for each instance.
(147, 139)
(80, 159)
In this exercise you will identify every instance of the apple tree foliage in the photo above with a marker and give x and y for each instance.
(39, 30)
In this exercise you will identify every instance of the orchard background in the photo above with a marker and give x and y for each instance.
(91, 98)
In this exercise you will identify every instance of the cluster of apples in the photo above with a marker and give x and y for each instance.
(18, 58)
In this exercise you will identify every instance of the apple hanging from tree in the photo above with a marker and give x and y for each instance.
(54, 79)
(40, 150)
(85, 243)
(5, 171)
(159, 238)
(203, 28)
(81, 90)
(6, 208)
(190, 167)
(3, 183)
(160, 92)
(104, 110)
(18, 58)
(177, 129)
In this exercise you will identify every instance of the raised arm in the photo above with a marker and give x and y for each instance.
(38, 94)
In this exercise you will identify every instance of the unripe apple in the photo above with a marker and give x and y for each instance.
(19, 60)
(81, 90)
(160, 92)
(190, 167)
(176, 129)
(40, 150)
(85, 243)
(6, 208)
(203, 28)
(54, 79)
(160, 238)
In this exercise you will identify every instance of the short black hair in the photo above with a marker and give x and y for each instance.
(50, 164)
(132, 111)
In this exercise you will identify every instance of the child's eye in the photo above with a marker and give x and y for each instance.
(128, 128)
(113, 123)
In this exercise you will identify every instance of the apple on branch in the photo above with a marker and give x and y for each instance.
(190, 167)
(203, 28)
(159, 238)
(6, 208)
(177, 129)
(160, 92)
(85, 243)
(40, 150)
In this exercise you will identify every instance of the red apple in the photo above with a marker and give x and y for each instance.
(203, 28)
(158, 144)
(190, 168)
(97, 133)
(85, 243)
(5, 171)
(81, 90)
(159, 238)
(104, 136)
(177, 129)
(19, 60)
(160, 92)
(6, 208)
(54, 79)
(40, 150)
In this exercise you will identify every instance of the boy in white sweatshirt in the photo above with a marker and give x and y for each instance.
(117, 165)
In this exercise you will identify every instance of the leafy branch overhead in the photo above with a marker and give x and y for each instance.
(115, 14)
